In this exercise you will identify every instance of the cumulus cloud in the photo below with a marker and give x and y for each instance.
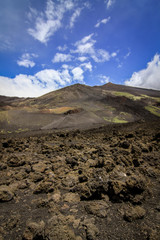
(66, 66)
(60, 57)
(86, 46)
(43, 81)
(35, 85)
(87, 66)
(103, 21)
(50, 76)
(109, 3)
(26, 60)
(82, 59)
(21, 86)
(75, 15)
(148, 77)
(49, 21)
(78, 74)
(104, 79)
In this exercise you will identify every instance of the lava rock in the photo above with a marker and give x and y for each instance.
(44, 187)
(34, 230)
(134, 213)
(124, 144)
(98, 208)
(14, 161)
(5, 194)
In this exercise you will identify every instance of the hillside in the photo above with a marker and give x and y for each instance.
(81, 163)
(79, 106)
(95, 184)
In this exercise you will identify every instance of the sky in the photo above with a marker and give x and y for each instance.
(50, 44)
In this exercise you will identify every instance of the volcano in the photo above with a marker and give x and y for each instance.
(79, 106)
(80, 163)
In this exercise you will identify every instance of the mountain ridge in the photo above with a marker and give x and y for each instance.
(79, 106)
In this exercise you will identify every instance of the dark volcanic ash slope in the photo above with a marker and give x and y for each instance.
(79, 106)
(132, 90)
(81, 185)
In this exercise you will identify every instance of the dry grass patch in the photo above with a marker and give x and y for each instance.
(59, 110)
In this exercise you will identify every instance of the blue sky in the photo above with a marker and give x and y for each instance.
(49, 44)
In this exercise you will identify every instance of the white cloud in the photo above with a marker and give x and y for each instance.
(66, 66)
(120, 65)
(60, 57)
(87, 5)
(101, 55)
(21, 86)
(35, 85)
(26, 63)
(6, 43)
(84, 40)
(66, 77)
(127, 55)
(26, 60)
(86, 46)
(103, 21)
(109, 3)
(75, 15)
(87, 66)
(114, 54)
(50, 76)
(82, 59)
(148, 77)
(42, 82)
(62, 48)
(104, 79)
(78, 74)
(33, 12)
(49, 21)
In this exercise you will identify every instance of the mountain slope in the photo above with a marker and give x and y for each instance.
(79, 106)
(132, 90)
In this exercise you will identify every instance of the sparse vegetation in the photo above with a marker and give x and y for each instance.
(4, 116)
(127, 95)
(134, 97)
(154, 110)
(121, 118)
(110, 108)
(79, 106)
(107, 119)
(21, 130)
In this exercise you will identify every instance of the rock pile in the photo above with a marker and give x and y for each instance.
(95, 184)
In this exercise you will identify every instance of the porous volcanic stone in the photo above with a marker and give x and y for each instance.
(134, 213)
(5, 194)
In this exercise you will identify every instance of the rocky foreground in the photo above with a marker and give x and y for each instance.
(74, 185)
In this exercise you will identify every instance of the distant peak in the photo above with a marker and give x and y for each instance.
(110, 83)
(78, 85)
